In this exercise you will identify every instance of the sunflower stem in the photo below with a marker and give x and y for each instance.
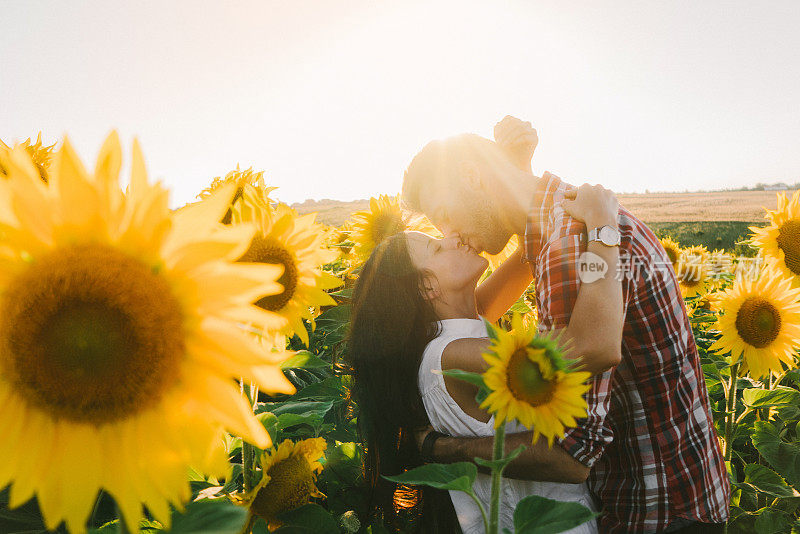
(497, 472)
(730, 411)
(248, 450)
(482, 509)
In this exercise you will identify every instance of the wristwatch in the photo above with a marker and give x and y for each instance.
(607, 235)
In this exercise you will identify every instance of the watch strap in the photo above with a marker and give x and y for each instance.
(427, 445)
(594, 235)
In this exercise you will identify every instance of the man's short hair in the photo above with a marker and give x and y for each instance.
(440, 161)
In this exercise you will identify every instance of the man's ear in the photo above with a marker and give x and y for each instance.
(470, 173)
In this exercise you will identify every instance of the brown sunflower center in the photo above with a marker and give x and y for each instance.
(789, 243)
(525, 380)
(91, 334)
(268, 250)
(291, 485)
(758, 322)
(386, 224)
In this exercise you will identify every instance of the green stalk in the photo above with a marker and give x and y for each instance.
(482, 509)
(730, 411)
(497, 473)
(730, 414)
(248, 450)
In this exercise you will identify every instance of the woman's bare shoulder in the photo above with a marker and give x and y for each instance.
(465, 354)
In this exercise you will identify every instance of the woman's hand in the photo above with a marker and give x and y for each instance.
(593, 204)
(518, 140)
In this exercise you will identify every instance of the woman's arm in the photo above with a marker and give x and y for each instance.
(503, 287)
(518, 140)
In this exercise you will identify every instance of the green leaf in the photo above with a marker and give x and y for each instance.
(771, 521)
(306, 407)
(783, 457)
(306, 360)
(491, 330)
(458, 476)
(308, 519)
(540, 515)
(475, 379)
(763, 398)
(269, 422)
(502, 462)
(288, 420)
(768, 481)
(330, 388)
(218, 516)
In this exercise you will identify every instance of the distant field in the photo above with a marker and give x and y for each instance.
(716, 220)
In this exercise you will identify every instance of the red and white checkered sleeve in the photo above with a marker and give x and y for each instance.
(557, 289)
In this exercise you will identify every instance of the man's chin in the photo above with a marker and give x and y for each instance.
(493, 250)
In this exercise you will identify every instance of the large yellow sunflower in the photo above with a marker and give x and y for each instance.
(673, 250)
(780, 241)
(40, 154)
(288, 480)
(761, 319)
(296, 243)
(531, 382)
(120, 338)
(384, 218)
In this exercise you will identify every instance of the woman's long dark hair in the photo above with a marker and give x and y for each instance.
(391, 325)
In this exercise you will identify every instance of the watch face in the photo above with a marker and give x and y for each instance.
(608, 236)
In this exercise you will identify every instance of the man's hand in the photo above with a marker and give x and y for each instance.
(518, 140)
(594, 205)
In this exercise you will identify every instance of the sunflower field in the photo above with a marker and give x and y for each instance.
(185, 370)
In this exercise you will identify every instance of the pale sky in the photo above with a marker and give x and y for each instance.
(333, 99)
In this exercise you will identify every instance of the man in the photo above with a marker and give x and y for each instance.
(654, 456)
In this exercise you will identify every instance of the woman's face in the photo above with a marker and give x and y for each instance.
(455, 265)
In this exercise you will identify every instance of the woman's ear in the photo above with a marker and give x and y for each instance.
(430, 288)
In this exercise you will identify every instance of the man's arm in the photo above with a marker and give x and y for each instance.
(537, 462)
(595, 322)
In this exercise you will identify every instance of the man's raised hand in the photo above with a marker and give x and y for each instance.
(518, 140)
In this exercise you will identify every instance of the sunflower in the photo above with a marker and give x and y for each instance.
(246, 179)
(339, 238)
(40, 154)
(693, 275)
(761, 319)
(780, 241)
(288, 480)
(384, 218)
(120, 338)
(673, 250)
(296, 243)
(720, 263)
(496, 259)
(530, 381)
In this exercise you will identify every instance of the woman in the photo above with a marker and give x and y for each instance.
(415, 301)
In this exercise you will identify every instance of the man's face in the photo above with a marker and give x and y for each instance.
(469, 214)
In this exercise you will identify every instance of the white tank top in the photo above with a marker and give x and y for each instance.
(447, 416)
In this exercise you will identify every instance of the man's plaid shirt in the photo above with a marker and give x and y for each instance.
(648, 437)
